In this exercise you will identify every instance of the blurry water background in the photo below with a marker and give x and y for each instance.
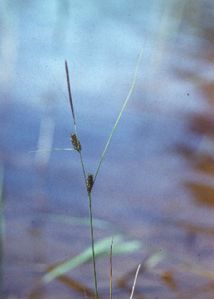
(157, 182)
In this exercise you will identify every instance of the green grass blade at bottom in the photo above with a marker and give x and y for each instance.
(101, 248)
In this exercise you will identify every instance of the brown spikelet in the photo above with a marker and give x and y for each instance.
(75, 142)
(90, 182)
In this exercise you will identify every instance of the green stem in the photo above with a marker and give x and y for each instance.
(85, 179)
(92, 244)
(91, 226)
(83, 168)
(110, 280)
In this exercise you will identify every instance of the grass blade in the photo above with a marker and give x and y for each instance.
(147, 264)
(85, 256)
(135, 280)
(126, 247)
(110, 275)
(85, 179)
(119, 115)
(49, 150)
(69, 91)
(101, 247)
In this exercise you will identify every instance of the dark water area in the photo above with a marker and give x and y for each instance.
(156, 184)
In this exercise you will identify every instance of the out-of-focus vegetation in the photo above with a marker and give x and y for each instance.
(156, 185)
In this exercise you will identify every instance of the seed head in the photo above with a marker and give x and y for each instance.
(75, 142)
(90, 182)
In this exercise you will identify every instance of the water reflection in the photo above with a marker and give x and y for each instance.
(157, 181)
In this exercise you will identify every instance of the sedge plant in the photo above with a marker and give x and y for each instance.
(90, 179)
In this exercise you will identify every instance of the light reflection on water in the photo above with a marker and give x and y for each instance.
(157, 181)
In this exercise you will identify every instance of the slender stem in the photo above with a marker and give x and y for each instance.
(85, 179)
(83, 168)
(91, 227)
(135, 280)
(92, 243)
(110, 280)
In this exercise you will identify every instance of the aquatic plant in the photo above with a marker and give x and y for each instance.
(101, 247)
(90, 179)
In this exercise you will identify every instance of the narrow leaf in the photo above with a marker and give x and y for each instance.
(130, 92)
(83, 257)
(111, 269)
(101, 248)
(69, 91)
(135, 280)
